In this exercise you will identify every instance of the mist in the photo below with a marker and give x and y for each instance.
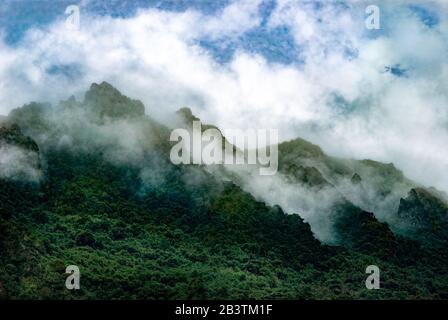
(19, 164)
(357, 94)
(347, 100)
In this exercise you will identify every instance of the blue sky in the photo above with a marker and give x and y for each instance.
(275, 44)
(20, 15)
(310, 68)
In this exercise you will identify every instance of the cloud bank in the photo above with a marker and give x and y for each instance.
(357, 93)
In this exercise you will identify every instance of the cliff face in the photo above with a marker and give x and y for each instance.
(425, 216)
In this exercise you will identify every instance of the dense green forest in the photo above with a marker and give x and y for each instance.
(140, 227)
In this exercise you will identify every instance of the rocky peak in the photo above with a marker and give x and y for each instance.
(186, 115)
(356, 179)
(300, 148)
(106, 101)
(424, 215)
(422, 206)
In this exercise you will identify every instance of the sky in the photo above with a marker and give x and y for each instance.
(307, 68)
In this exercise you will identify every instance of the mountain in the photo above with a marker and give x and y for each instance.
(106, 101)
(426, 215)
(110, 201)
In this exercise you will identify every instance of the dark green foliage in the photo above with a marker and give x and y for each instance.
(427, 214)
(308, 176)
(178, 241)
(300, 148)
(12, 135)
(361, 231)
(151, 230)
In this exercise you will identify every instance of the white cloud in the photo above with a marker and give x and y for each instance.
(18, 163)
(155, 57)
(235, 19)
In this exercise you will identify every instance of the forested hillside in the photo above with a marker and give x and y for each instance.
(90, 184)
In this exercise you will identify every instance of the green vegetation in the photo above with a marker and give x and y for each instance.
(178, 232)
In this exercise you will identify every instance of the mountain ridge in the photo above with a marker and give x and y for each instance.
(140, 227)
